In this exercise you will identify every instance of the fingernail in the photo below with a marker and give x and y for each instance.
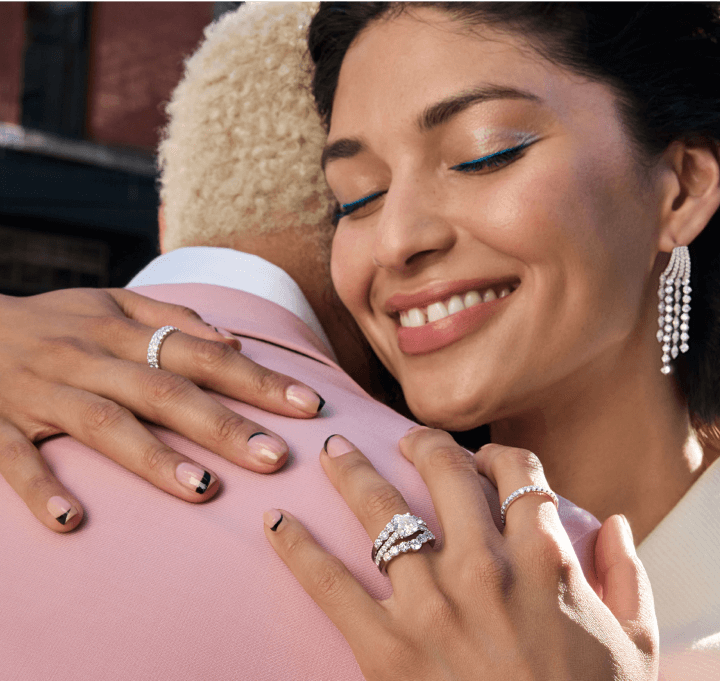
(304, 399)
(61, 509)
(272, 518)
(194, 477)
(414, 429)
(628, 532)
(224, 333)
(266, 447)
(337, 445)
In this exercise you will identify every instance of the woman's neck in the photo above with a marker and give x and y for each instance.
(617, 444)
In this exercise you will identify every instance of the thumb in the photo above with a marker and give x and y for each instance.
(626, 587)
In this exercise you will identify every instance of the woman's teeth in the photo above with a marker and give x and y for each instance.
(432, 313)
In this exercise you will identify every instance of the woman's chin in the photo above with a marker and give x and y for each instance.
(437, 412)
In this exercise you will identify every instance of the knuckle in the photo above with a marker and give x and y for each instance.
(491, 576)
(513, 458)
(38, 485)
(329, 580)
(451, 458)
(16, 451)
(102, 415)
(229, 427)
(438, 612)
(186, 312)
(63, 349)
(381, 501)
(261, 380)
(211, 355)
(160, 387)
(107, 326)
(156, 456)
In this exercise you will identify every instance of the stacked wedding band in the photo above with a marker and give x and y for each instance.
(526, 490)
(153, 353)
(411, 529)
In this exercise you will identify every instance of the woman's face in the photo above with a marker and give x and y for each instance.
(500, 234)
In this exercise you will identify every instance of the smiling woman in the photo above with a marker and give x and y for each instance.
(512, 179)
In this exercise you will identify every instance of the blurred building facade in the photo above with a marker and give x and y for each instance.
(82, 94)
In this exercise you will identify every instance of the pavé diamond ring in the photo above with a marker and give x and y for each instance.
(153, 353)
(411, 529)
(526, 490)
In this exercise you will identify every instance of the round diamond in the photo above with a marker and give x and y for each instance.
(684, 347)
(665, 370)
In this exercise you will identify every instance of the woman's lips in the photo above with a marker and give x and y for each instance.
(443, 332)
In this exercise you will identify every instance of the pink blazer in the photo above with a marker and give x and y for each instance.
(152, 587)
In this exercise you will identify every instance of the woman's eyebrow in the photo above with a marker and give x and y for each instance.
(439, 113)
(433, 116)
(342, 148)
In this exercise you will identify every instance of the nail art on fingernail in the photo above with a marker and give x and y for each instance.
(194, 477)
(224, 333)
(61, 509)
(304, 399)
(337, 445)
(272, 518)
(266, 447)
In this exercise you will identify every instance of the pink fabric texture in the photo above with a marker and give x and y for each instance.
(152, 587)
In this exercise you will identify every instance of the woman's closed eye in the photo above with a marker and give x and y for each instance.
(494, 160)
(348, 208)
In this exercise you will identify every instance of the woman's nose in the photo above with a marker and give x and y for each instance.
(410, 230)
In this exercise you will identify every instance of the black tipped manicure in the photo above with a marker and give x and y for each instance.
(328, 440)
(204, 483)
(254, 434)
(321, 405)
(275, 526)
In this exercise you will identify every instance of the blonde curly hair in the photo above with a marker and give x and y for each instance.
(241, 151)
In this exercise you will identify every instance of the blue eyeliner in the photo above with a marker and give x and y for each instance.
(347, 208)
(498, 155)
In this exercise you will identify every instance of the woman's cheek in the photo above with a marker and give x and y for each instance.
(350, 269)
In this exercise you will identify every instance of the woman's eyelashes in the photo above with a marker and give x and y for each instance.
(494, 160)
(348, 208)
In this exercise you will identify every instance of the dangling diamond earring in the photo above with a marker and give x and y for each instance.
(674, 316)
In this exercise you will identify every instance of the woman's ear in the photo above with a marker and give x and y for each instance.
(691, 194)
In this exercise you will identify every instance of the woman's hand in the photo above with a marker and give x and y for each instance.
(487, 605)
(76, 362)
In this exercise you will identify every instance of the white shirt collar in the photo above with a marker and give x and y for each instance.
(232, 269)
(681, 557)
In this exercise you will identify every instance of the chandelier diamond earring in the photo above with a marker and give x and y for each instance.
(674, 307)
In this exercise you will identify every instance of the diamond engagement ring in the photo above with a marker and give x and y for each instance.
(526, 490)
(153, 353)
(408, 527)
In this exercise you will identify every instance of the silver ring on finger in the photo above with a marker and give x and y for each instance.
(153, 353)
(410, 528)
(535, 489)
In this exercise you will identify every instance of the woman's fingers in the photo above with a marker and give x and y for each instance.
(178, 404)
(373, 500)
(451, 475)
(511, 469)
(29, 475)
(218, 367)
(626, 587)
(324, 577)
(114, 432)
(156, 314)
